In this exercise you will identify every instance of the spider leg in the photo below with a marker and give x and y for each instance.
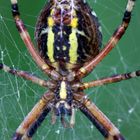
(27, 76)
(33, 128)
(88, 67)
(34, 118)
(108, 80)
(102, 123)
(28, 43)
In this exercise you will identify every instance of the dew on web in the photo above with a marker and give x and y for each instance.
(119, 101)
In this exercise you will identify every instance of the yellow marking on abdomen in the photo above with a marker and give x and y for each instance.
(63, 91)
(73, 41)
(50, 41)
(74, 22)
(73, 46)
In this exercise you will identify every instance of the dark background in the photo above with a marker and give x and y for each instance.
(119, 101)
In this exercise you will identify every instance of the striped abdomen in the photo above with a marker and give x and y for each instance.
(68, 33)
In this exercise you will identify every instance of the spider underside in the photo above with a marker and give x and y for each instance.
(69, 38)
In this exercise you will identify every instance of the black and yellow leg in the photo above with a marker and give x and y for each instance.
(108, 80)
(101, 122)
(117, 35)
(34, 118)
(28, 43)
(26, 75)
(33, 128)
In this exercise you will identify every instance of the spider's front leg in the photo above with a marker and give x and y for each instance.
(102, 123)
(88, 67)
(28, 43)
(30, 124)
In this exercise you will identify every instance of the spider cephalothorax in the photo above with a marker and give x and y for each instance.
(63, 102)
(69, 39)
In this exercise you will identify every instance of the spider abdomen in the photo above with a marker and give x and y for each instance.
(68, 34)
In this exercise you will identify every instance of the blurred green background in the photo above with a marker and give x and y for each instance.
(119, 101)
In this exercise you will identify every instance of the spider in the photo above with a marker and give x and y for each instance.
(68, 36)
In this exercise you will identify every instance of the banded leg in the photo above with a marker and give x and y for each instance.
(30, 119)
(28, 43)
(108, 80)
(88, 67)
(33, 128)
(101, 122)
(26, 76)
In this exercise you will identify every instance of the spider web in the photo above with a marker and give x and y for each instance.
(119, 101)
